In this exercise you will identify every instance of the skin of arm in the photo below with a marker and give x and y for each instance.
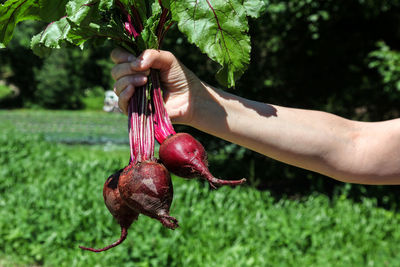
(349, 151)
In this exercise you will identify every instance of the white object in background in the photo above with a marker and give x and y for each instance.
(111, 102)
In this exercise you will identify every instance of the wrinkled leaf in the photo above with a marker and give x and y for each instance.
(92, 21)
(51, 37)
(219, 28)
(51, 10)
(78, 10)
(255, 8)
(14, 11)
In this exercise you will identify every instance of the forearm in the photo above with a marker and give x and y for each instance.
(313, 140)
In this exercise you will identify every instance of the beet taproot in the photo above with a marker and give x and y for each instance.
(118, 208)
(186, 157)
(146, 187)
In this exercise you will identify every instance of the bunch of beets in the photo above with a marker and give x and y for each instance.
(145, 186)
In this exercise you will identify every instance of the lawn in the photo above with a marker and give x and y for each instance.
(51, 202)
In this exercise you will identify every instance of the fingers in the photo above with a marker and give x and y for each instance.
(122, 59)
(127, 64)
(156, 59)
(124, 98)
(124, 69)
(119, 55)
(130, 72)
(134, 80)
(125, 87)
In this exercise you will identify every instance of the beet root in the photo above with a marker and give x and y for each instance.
(117, 207)
(146, 187)
(186, 157)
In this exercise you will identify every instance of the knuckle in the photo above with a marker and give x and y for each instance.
(114, 71)
(168, 54)
(113, 54)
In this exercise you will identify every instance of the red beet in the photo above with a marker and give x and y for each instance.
(117, 207)
(146, 187)
(184, 156)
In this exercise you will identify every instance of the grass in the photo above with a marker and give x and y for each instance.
(51, 202)
(73, 127)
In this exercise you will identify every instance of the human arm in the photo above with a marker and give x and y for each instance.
(350, 151)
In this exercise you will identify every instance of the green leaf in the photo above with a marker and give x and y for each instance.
(149, 34)
(92, 20)
(220, 29)
(78, 10)
(166, 4)
(255, 8)
(51, 37)
(51, 10)
(106, 5)
(14, 11)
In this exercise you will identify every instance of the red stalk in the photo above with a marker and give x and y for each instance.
(136, 19)
(160, 39)
(161, 23)
(140, 122)
(130, 28)
(129, 25)
(124, 234)
(162, 123)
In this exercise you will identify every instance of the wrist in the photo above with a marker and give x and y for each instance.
(206, 107)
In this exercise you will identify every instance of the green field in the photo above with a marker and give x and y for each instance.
(51, 201)
(73, 127)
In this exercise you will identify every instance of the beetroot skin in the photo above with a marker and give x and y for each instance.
(184, 156)
(117, 207)
(146, 187)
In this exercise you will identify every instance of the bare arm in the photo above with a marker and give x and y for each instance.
(350, 151)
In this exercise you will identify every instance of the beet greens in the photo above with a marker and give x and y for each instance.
(218, 27)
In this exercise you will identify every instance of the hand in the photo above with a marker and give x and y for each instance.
(180, 85)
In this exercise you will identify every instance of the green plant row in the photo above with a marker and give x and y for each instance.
(68, 126)
(51, 202)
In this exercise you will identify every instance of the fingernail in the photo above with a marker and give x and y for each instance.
(141, 79)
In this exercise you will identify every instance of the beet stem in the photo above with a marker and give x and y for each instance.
(162, 123)
(124, 234)
(215, 181)
(205, 173)
(140, 125)
(169, 221)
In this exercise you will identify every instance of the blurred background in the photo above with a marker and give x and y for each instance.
(58, 145)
